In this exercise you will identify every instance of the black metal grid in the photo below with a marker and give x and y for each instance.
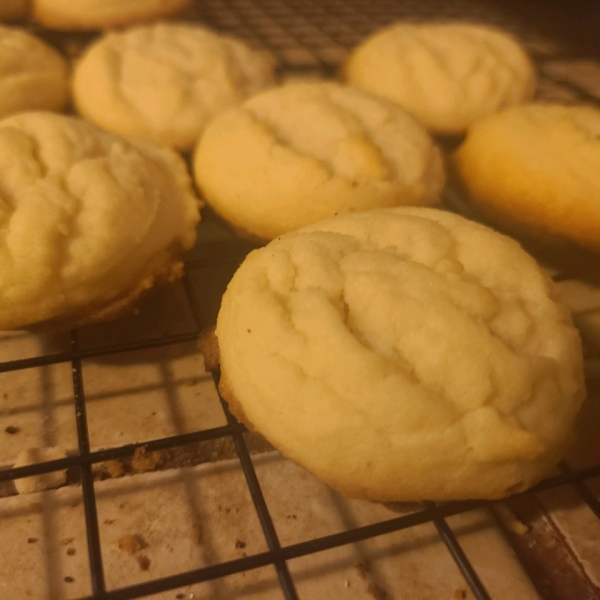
(283, 26)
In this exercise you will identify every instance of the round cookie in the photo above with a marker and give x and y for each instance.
(33, 76)
(90, 221)
(402, 354)
(306, 151)
(447, 75)
(536, 167)
(162, 83)
(13, 9)
(102, 14)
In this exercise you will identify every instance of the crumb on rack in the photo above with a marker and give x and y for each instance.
(44, 481)
(113, 468)
(509, 520)
(209, 346)
(143, 561)
(143, 461)
(131, 543)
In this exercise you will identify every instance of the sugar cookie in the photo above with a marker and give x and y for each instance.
(103, 14)
(162, 83)
(32, 74)
(306, 151)
(447, 75)
(90, 221)
(13, 9)
(536, 167)
(402, 354)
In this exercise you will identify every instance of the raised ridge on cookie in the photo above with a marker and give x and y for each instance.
(447, 75)
(306, 151)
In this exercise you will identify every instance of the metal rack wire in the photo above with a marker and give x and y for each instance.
(304, 35)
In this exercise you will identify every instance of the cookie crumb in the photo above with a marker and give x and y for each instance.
(43, 481)
(240, 544)
(131, 543)
(32, 540)
(109, 521)
(143, 561)
(70, 551)
(69, 579)
(509, 520)
(143, 462)
(113, 468)
(12, 429)
(363, 569)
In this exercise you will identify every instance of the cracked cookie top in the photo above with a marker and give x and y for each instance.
(162, 83)
(86, 218)
(306, 151)
(402, 354)
(447, 75)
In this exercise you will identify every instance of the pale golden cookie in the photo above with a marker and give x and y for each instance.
(90, 221)
(447, 75)
(537, 167)
(162, 83)
(13, 9)
(403, 354)
(32, 74)
(306, 151)
(103, 14)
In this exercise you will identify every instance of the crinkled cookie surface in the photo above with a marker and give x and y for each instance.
(402, 354)
(87, 219)
(447, 75)
(33, 75)
(306, 151)
(163, 82)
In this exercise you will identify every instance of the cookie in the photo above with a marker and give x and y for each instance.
(33, 76)
(306, 151)
(91, 219)
(447, 75)
(102, 14)
(402, 354)
(536, 168)
(162, 83)
(11, 10)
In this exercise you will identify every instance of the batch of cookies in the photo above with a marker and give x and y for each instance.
(398, 351)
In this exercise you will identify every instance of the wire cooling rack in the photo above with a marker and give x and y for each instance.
(313, 37)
